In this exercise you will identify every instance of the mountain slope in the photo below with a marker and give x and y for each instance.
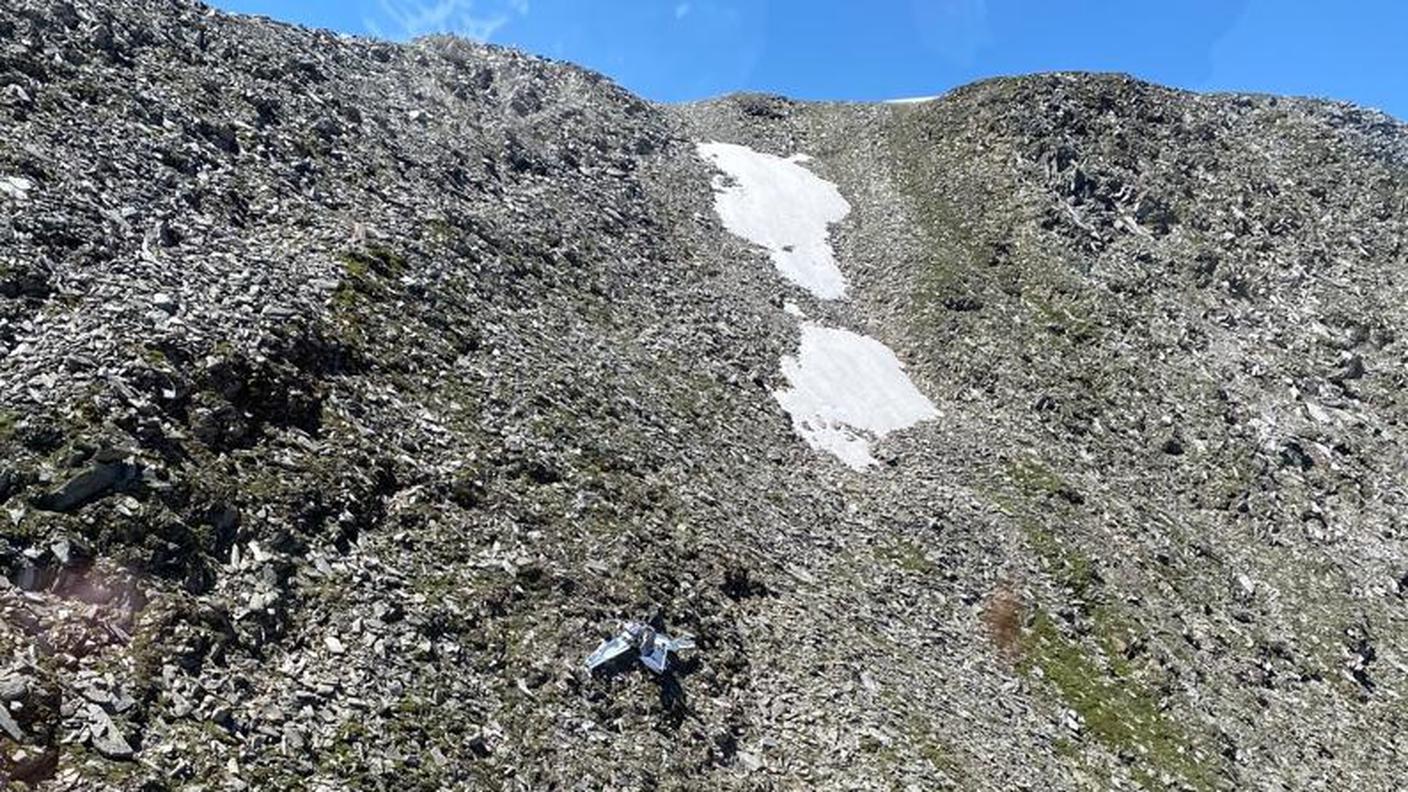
(353, 392)
(1165, 328)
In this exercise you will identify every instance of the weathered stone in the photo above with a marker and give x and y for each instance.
(96, 482)
(105, 737)
(9, 727)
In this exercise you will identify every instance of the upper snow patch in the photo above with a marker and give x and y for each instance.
(845, 388)
(784, 207)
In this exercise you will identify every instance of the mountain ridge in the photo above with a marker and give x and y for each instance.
(353, 392)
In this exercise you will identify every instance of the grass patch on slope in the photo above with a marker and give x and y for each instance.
(1120, 713)
(9, 419)
(906, 555)
(1095, 668)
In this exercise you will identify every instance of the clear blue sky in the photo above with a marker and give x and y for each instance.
(857, 49)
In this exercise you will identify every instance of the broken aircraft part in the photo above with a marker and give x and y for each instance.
(653, 648)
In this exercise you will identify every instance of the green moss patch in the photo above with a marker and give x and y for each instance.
(366, 271)
(1122, 714)
(1034, 479)
(906, 555)
(9, 419)
(1071, 569)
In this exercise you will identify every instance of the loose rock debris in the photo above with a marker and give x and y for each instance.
(343, 384)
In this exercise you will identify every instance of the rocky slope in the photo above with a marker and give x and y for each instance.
(352, 392)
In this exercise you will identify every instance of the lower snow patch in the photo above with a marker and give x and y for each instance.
(782, 206)
(847, 389)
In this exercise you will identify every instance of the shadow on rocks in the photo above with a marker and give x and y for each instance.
(674, 701)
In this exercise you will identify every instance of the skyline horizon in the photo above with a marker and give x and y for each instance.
(678, 51)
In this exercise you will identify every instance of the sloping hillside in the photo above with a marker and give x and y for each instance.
(1164, 330)
(351, 393)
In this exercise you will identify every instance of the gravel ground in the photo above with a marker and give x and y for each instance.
(351, 393)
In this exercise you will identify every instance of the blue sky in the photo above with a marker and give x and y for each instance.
(674, 50)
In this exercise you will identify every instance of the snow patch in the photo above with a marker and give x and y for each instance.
(785, 208)
(911, 100)
(847, 389)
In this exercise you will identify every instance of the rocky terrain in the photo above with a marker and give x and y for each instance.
(351, 393)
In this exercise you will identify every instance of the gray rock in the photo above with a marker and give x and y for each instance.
(96, 482)
(13, 688)
(71, 552)
(105, 737)
(9, 727)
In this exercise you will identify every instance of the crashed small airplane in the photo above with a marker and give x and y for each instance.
(653, 647)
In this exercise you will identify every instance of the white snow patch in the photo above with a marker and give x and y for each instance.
(782, 206)
(847, 389)
(793, 309)
(911, 100)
